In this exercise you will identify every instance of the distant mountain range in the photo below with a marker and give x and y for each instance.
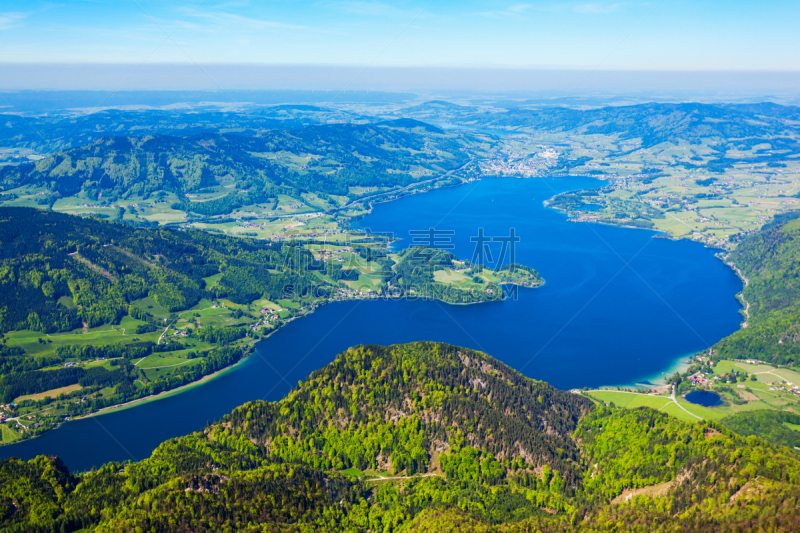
(338, 156)
(653, 123)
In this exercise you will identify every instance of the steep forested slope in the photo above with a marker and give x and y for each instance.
(473, 446)
(60, 272)
(770, 260)
(397, 408)
(104, 266)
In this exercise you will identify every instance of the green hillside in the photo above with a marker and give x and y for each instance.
(422, 437)
(768, 259)
(53, 131)
(329, 159)
(103, 268)
(652, 123)
(96, 313)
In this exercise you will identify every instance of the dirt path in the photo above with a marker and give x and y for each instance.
(166, 329)
(672, 399)
(165, 366)
(682, 407)
(381, 478)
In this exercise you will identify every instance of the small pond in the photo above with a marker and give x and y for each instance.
(704, 398)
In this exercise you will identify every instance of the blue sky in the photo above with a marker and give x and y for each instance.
(659, 35)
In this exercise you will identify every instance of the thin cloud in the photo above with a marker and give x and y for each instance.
(519, 8)
(371, 9)
(514, 11)
(244, 22)
(517, 11)
(596, 9)
(11, 19)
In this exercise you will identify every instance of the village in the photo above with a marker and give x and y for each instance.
(511, 162)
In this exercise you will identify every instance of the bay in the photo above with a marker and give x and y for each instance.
(620, 306)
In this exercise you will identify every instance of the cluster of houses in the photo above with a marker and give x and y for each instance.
(271, 314)
(351, 293)
(3, 414)
(697, 379)
(246, 224)
(784, 387)
(95, 206)
(329, 254)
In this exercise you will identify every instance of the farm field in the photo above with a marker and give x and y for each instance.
(746, 396)
(7, 434)
(53, 393)
(41, 344)
(630, 400)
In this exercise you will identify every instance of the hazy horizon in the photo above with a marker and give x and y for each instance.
(678, 50)
(450, 82)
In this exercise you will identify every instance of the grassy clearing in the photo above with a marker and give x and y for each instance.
(104, 363)
(40, 344)
(7, 434)
(67, 302)
(288, 304)
(212, 280)
(631, 400)
(673, 409)
(764, 373)
(449, 276)
(151, 306)
(159, 360)
(53, 393)
(351, 472)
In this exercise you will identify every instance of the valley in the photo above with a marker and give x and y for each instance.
(153, 283)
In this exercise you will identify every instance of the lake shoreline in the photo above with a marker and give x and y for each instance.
(209, 377)
(401, 327)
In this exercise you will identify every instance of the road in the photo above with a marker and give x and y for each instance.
(679, 405)
(672, 398)
(407, 187)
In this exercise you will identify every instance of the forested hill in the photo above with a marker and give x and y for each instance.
(770, 260)
(398, 408)
(50, 133)
(334, 158)
(422, 437)
(102, 267)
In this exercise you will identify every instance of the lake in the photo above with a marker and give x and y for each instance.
(619, 307)
(704, 398)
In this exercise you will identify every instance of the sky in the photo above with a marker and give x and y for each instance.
(659, 36)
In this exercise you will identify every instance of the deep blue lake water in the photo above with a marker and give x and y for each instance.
(704, 398)
(619, 306)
